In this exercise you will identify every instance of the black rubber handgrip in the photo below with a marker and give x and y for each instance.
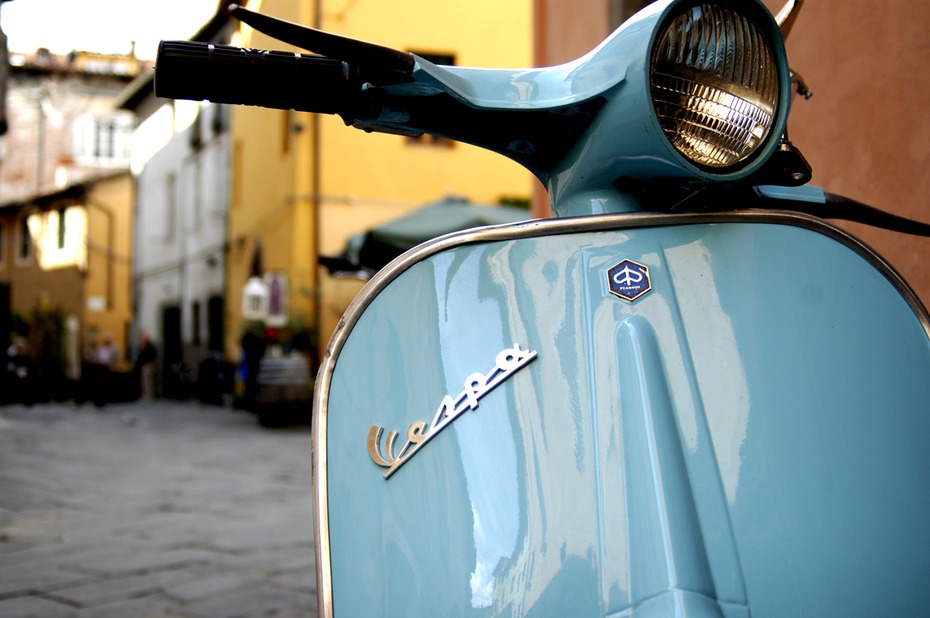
(225, 74)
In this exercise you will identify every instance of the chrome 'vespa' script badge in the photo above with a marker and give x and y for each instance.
(628, 280)
(477, 385)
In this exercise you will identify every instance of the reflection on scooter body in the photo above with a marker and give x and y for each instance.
(684, 395)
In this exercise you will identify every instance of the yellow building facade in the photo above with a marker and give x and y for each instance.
(71, 251)
(303, 183)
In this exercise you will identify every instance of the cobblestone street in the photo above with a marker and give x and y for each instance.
(153, 510)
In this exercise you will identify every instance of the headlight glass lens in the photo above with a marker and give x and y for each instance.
(714, 85)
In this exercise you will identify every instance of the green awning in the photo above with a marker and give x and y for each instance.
(370, 251)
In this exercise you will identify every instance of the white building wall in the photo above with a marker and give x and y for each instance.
(183, 196)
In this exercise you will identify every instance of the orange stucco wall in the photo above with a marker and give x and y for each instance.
(865, 131)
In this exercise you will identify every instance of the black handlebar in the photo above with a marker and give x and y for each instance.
(370, 88)
(224, 74)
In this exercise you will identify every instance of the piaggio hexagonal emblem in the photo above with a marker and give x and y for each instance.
(628, 280)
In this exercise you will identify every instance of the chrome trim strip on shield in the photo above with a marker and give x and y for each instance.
(529, 229)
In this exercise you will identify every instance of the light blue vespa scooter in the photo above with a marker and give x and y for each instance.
(684, 396)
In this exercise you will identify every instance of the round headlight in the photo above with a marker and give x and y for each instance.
(714, 85)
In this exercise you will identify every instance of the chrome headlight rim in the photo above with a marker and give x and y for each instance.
(756, 14)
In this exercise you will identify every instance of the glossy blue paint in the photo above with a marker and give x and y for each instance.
(748, 436)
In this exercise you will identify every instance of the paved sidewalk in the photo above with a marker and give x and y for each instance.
(153, 510)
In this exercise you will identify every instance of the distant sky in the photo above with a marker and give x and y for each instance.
(105, 26)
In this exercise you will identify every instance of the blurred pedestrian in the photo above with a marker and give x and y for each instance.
(107, 354)
(20, 372)
(100, 359)
(144, 367)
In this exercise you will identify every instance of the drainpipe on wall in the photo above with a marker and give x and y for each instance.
(40, 147)
(110, 253)
(4, 77)
(316, 202)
